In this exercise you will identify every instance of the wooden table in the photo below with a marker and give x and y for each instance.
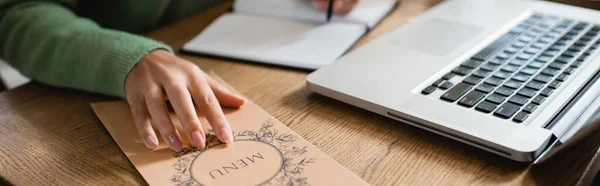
(50, 135)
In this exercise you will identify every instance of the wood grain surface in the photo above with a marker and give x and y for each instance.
(51, 136)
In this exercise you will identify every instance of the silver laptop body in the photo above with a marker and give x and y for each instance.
(403, 74)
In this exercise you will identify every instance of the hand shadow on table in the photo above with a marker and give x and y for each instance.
(400, 138)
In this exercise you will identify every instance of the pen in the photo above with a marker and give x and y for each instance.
(330, 10)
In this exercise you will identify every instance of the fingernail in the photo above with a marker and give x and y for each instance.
(320, 5)
(198, 139)
(151, 142)
(174, 142)
(226, 135)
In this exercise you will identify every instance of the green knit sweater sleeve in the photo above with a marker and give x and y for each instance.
(49, 43)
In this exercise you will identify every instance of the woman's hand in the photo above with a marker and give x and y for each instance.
(340, 7)
(160, 75)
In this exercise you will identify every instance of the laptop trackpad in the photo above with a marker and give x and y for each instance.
(435, 36)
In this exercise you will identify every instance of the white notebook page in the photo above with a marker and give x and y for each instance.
(366, 12)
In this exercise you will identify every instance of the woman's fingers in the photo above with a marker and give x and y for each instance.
(183, 105)
(340, 7)
(207, 102)
(161, 119)
(225, 97)
(141, 118)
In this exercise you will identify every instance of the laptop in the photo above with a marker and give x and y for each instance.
(515, 78)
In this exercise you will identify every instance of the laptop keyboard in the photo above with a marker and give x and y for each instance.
(515, 74)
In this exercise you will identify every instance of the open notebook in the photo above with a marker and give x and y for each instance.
(287, 32)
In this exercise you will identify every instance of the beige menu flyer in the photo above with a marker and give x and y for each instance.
(265, 152)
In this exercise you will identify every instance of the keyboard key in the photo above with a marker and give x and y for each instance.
(471, 99)
(471, 64)
(489, 67)
(554, 85)
(536, 17)
(538, 45)
(511, 50)
(510, 68)
(521, 77)
(428, 90)
(550, 71)
(486, 107)
(582, 58)
(563, 59)
(569, 54)
(547, 92)
(497, 61)
(503, 56)
(518, 44)
(545, 40)
(481, 73)
(562, 77)
(502, 75)
(504, 91)
(517, 62)
(535, 64)
(530, 108)
(446, 85)
(524, 56)
(580, 43)
(461, 71)
(518, 100)
(456, 92)
(543, 59)
(526, 39)
(577, 64)
(555, 48)
(569, 70)
(586, 38)
(556, 65)
(534, 85)
(472, 80)
(485, 88)
(550, 53)
(448, 76)
(532, 50)
(542, 78)
(527, 92)
(538, 100)
(575, 48)
(438, 82)
(564, 41)
(520, 117)
(572, 33)
(488, 51)
(513, 84)
(590, 51)
(580, 26)
(495, 98)
(507, 110)
(493, 81)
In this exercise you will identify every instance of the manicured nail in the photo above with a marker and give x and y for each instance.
(198, 139)
(320, 5)
(151, 142)
(174, 142)
(226, 135)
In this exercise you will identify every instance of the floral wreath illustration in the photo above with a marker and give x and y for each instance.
(294, 159)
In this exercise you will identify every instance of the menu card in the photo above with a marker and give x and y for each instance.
(264, 152)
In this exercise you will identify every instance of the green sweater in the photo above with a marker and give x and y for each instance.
(84, 44)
